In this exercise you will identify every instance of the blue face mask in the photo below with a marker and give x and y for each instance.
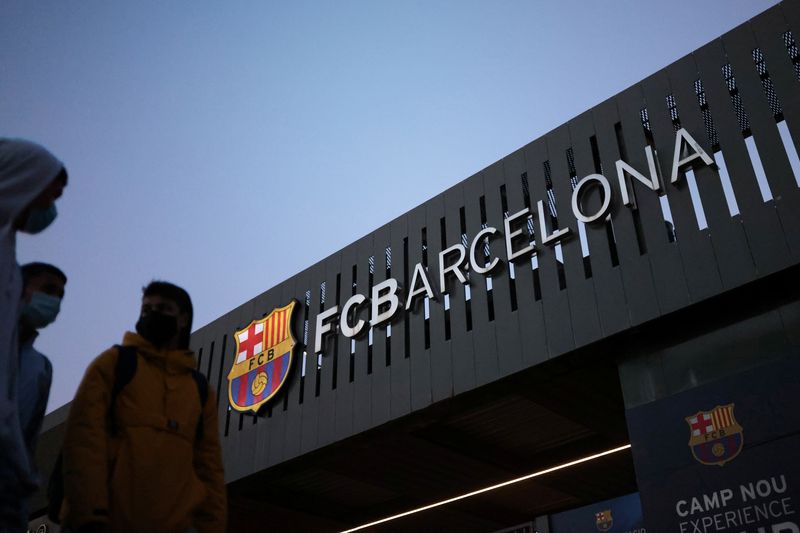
(40, 218)
(41, 311)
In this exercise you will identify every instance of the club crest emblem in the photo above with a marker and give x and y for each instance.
(604, 520)
(715, 437)
(262, 360)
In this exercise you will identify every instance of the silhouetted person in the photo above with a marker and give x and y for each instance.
(31, 179)
(42, 292)
(142, 450)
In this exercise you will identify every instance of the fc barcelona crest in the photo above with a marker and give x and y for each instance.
(715, 437)
(262, 360)
(604, 520)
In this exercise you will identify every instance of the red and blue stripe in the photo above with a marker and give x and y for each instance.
(276, 371)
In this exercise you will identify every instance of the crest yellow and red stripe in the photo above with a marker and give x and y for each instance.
(722, 416)
(277, 328)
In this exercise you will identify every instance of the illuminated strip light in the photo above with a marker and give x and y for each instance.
(493, 487)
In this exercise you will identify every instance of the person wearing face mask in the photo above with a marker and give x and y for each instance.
(145, 456)
(31, 180)
(42, 292)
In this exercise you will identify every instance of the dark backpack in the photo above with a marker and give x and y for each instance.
(124, 370)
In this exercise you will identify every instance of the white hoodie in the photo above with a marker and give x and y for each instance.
(26, 169)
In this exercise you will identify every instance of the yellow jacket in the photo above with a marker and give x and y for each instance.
(153, 475)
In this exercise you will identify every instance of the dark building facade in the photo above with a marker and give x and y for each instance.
(629, 278)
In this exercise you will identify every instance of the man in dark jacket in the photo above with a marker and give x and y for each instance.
(149, 459)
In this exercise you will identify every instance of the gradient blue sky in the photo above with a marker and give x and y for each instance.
(209, 142)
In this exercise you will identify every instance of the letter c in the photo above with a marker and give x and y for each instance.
(681, 513)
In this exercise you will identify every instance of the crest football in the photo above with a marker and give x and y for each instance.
(604, 520)
(262, 360)
(715, 437)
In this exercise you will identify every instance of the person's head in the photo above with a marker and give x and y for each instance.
(42, 291)
(41, 212)
(166, 315)
(31, 180)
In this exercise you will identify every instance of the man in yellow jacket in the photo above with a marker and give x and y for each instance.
(146, 457)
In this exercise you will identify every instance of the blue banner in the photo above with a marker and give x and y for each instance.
(620, 515)
(724, 457)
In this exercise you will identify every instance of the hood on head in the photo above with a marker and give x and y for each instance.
(26, 169)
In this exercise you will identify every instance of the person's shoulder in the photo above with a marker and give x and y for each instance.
(106, 360)
(109, 354)
(29, 353)
(48, 368)
(44, 361)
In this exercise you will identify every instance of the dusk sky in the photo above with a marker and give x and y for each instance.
(209, 143)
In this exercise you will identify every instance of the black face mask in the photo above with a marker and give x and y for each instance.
(157, 328)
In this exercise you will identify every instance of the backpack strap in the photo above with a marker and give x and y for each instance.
(124, 371)
(202, 390)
